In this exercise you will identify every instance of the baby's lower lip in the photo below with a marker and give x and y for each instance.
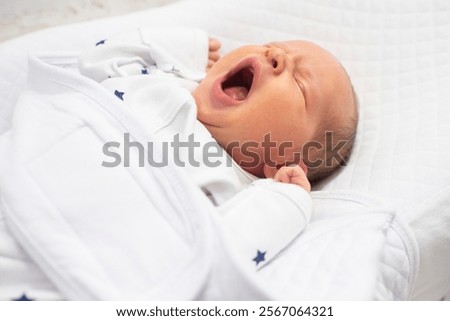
(219, 98)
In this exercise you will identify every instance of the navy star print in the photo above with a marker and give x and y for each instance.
(260, 257)
(119, 94)
(101, 42)
(144, 71)
(22, 298)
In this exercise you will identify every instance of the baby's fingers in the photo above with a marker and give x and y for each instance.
(213, 52)
(214, 44)
(293, 175)
(214, 55)
(284, 174)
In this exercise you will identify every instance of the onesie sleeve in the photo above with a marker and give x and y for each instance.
(264, 219)
(182, 52)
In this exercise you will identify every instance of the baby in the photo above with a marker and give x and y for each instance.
(284, 110)
(294, 90)
(270, 107)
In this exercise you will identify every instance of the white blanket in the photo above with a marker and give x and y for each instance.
(397, 55)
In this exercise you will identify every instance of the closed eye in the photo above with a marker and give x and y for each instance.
(300, 86)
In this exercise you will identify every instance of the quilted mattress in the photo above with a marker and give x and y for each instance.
(397, 54)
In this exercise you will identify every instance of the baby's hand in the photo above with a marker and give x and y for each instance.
(213, 53)
(293, 175)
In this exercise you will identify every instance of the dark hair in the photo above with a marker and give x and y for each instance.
(346, 134)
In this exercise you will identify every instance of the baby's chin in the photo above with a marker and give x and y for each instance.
(201, 101)
(206, 113)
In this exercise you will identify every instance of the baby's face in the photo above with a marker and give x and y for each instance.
(285, 89)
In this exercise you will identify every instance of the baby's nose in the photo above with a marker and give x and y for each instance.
(277, 58)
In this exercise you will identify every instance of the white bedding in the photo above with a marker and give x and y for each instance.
(398, 56)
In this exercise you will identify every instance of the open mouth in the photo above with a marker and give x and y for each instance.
(237, 84)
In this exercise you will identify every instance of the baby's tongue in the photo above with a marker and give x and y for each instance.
(236, 92)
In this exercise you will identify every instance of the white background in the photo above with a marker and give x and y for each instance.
(22, 16)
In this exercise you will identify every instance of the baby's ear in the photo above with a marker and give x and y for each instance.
(269, 172)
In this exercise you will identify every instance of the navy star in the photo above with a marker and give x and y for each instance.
(22, 298)
(101, 42)
(119, 94)
(144, 71)
(260, 257)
